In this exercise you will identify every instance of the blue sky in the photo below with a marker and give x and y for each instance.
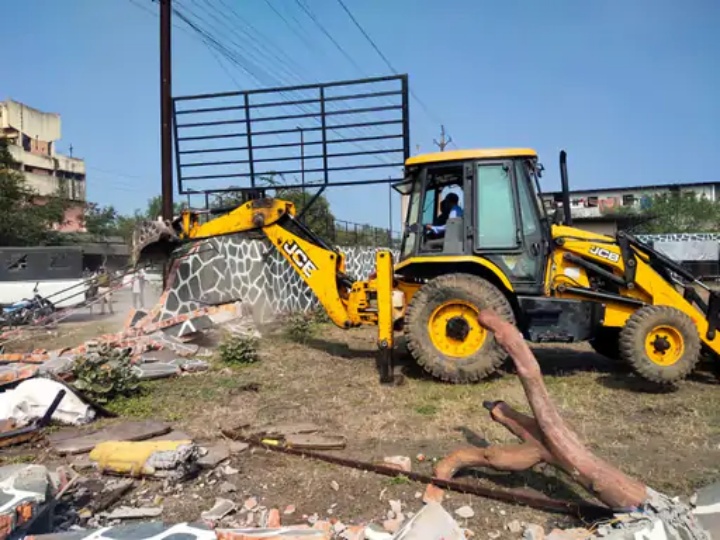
(629, 88)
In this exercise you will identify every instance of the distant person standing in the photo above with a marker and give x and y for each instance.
(138, 289)
(103, 283)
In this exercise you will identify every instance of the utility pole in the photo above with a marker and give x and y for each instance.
(166, 108)
(443, 141)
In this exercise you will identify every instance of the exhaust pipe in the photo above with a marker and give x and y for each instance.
(565, 188)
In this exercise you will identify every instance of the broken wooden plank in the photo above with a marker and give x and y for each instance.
(125, 431)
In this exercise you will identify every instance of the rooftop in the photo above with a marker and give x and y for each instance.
(459, 155)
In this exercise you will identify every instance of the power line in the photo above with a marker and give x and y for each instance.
(310, 14)
(385, 59)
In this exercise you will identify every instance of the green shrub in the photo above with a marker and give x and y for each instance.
(105, 374)
(299, 327)
(320, 316)
(239, 350)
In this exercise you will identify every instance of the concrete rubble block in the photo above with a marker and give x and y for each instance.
(215, 454)
(220, 509)
(402, 463)
(191, 365)
(25, 493)
(128, 512)
(156, 370)
(237, 447)
(163, 459)
(432, 521)
(58, 365)
(124, 431)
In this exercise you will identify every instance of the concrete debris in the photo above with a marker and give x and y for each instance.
(514, 526)
(227, 470)
(26, 494)
(402, 463)
(374, 532)
(220, 509)
(432, 521)
(533, 532)
(465, 512)
(237, 447)
(393, 525)
(493, 535)
(569, 534)
(250, 504)
(227, 487)
(273, 519)
(396, 507)
(127, 512)
(214, 455)
(289, 509)
(334, 485)
(30, 399)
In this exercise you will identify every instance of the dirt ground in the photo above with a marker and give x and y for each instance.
(670, 440)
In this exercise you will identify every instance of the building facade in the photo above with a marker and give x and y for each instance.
(32, 137)
(601, 210)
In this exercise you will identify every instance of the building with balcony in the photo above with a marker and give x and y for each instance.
(32, 137)
(601, 210)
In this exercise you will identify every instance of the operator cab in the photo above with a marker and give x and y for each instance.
(482, 203)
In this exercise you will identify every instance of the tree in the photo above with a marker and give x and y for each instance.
(26, 219)
(101, 220)
(677, 213)
(318, 217)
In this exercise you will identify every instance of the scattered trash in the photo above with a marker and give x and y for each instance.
(334, 485)
(465, 512)
(289, 509)
(533, 532)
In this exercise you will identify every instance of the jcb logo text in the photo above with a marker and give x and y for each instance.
(299, 258)
(604, 254)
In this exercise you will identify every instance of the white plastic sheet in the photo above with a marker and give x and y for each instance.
(31, 399)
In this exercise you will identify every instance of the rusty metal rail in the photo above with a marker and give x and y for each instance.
(582, 509)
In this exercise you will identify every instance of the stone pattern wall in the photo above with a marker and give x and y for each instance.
(235, 268)
(678, 237)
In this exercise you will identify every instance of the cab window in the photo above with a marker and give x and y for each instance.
(495, 210)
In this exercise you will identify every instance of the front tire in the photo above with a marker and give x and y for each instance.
(443, 333)
(661, 344)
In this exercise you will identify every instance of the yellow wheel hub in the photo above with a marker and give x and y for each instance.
(664, 345)
(454, 329)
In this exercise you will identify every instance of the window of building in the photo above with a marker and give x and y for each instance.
(628, 200)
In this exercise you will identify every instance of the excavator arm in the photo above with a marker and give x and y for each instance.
(348, 303)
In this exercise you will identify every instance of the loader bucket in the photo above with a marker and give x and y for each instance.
(153, 242)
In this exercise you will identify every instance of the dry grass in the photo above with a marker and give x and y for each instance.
(670, 440)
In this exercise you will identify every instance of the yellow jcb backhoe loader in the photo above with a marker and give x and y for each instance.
(493, 245)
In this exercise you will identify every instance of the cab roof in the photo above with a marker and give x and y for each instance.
(460, 155)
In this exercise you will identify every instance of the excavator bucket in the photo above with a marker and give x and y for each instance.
(153, 242)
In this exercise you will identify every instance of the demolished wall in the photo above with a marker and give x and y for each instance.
(236, 267)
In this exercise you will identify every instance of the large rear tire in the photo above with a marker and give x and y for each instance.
(661, 344)
(443, 333)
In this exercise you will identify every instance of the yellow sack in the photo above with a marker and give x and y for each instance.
(142, 458)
